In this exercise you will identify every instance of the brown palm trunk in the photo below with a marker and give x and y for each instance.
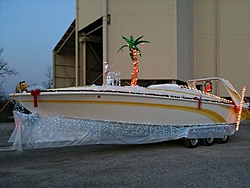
(135, 68)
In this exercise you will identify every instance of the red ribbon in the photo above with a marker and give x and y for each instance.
(34, 93)
(235, 107)
(199, 102)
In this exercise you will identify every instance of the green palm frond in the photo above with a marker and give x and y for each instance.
(138, 39)
(126, 39)
(138, 51)
(131, 43)
(142, 41)
(131, 39)
(120, 49)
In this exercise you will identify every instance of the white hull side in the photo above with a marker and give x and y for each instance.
(129, 108)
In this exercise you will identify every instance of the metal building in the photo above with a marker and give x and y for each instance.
(188, 39)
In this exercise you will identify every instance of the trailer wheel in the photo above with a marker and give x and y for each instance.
(223, 140)
(191, 143)
(208, 141)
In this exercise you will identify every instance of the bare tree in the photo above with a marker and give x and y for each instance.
(5, 70)
(48, 84)
(4, 67)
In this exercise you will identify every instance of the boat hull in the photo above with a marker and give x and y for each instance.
(134, 108)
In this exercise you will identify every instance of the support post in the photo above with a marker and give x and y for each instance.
(76, 43)
(105, 38)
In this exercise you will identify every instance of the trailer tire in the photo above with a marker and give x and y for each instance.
(208, 141)
(223, 140)
(191, 143)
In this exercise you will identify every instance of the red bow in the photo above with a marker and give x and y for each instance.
(199, 102)
(235, 107)
(34, 93)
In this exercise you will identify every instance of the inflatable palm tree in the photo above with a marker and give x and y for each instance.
(134, 51)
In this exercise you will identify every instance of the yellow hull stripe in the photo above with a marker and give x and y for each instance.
(213, 116)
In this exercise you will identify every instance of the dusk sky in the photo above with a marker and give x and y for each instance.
(29, 31)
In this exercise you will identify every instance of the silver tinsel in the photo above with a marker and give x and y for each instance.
(41, 131)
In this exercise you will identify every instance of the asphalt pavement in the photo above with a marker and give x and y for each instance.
(166, 164)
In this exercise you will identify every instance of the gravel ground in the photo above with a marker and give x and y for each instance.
(167, 164)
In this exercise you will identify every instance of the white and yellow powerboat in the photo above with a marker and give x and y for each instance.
(169, 105)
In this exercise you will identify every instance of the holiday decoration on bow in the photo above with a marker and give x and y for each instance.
(199, 102)
(134, 51)
(34, 93)
(208, 86)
